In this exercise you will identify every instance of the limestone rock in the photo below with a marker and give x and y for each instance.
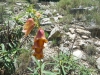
(48, 12)
(82, 43)
(72, 30)
(83, 32)
(89, 41)
(64, 49)
(79, 54)
(56, 19)
(60, 16)
(98, 63)
(85, 37)
(45, 21)
(71, 36)
(55, 33)
(97, 43)
(98, 49)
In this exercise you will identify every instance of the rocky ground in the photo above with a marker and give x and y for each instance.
(83, 41)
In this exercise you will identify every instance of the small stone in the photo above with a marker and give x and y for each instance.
(89, 41)
(56, 19)
(72, 30)
(74, 47)
(47, 12)
(97, 43)
(85, 37)
(81, 43)
(98, 49)
(45, 21)
(64, 49)
(71, 36)
(60, 16)
(98, 63)
(19, 3)
(81, 31)
(78, 54)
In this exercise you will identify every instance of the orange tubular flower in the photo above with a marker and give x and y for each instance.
(28, 26)
(38, 46)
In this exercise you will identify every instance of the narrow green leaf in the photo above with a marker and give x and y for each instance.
(3, 47)
(10, 45)
(36, 70)
(49, 73)
(42, 66)
(63, 70)
(29, 69)
(36, 61)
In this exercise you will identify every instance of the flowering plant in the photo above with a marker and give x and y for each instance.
(39, 39)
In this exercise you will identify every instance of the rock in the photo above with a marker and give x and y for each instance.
(82, 43)
(80, 9)
(49, 52)
(54, 11)
(64, 49)
(19, 4)
(66, 43)
(97, 43)
(71, 36)
(83, 32)
(75, 47)
(98, 50)
(79, 54)
(55, 33)
(56, 19)
(89, 8)
(60, 16)
(89, 41)
(85, 37)
(98, 63)
(48, 12)
(45, 21)
(77, 26)
(72, 30)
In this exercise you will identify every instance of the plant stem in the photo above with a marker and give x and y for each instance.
(40, 67)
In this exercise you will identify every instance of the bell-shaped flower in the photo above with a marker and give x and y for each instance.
(39, 41)
(28, 26)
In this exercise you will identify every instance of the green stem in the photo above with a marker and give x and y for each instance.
(40, 67)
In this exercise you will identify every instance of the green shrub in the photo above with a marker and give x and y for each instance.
(60, 65)
(66, 5)
(90, 50)
(91, 60)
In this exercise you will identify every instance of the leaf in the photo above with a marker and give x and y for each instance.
(3, 47)
(49, 73)
(36, 70)
(29, 69)
(54, 58)
(42, 66)
(7, 59)
(14, 44)
(1, 60)
(10, 45)
(36, 61)
(63, 70)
